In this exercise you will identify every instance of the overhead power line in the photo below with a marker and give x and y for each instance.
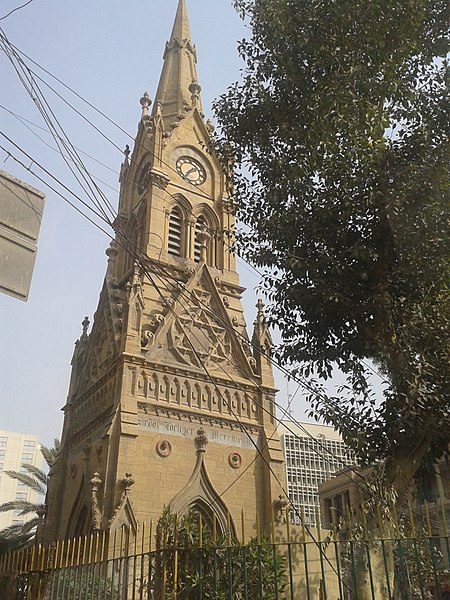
(15, 9)
(315, 391)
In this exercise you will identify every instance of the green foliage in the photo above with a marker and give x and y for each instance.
(81, 582)
(340, 135)
(217, 569)
(17, 536)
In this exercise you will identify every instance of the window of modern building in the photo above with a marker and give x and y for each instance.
(27, 458)
(21, 496)
(3, 441)
(2, 454)
(309, 462)
(28, 445)
(175, 238)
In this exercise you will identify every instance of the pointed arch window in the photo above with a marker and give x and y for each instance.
(175, 237)
(200, 225)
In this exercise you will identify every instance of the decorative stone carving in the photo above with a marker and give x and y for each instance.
(134, 285)
(235, 460)
(150, 330)
(144, 175)
(226, 301)
(85, 325)
(145, 103)
(195, 90)
(127, 482)
(159, 179)
(201, 440)
(112, 251)
(96, 512)
(163, 448)
(87, 449)
(197, 338)
(279, 506)
(147, 338)
(253, 364)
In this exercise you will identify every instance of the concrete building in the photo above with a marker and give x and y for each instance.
(313, 454)
(169, 403)
(21, 210)
(17, 449)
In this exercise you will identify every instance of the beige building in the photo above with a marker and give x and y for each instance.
(17, 449)
(169, 402)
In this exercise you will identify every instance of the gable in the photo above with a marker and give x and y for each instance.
(198, 332)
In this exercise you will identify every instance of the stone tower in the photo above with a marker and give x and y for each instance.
(169, 403)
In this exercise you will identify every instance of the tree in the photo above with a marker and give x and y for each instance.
(17, 536)
(213, 566)
(339, 136)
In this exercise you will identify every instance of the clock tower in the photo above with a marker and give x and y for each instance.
(170, 403)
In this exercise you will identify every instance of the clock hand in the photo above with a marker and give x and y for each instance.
(192, 170)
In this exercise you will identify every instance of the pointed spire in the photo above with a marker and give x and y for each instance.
(181, 30)
(175, 93)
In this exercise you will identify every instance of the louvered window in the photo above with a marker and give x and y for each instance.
(199, 225)
(175, 230)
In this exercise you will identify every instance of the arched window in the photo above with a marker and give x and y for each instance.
(175, 232)
(200, 225)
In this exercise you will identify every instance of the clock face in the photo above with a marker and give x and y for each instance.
(191, 170)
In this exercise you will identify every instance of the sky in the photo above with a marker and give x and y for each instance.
(110, 53)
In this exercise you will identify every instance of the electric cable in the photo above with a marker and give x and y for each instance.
(131, 137)
(244, 430)
(15, 9)
(314, 391)
(28, 168)
(38, 98)
(24, 121)
(56, 149)
(158, 266)
(243, 427)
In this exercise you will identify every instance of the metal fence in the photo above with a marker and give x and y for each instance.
(393, 561)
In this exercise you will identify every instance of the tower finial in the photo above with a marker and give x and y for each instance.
(145, 103)
(179, 71)
(85, 325)
(195, 90)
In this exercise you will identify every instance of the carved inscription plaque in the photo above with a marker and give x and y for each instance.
(216, 435)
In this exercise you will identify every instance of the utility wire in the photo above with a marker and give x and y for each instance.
(33, 161)
(198, 192)
(28, 168)
(208, 198)
(244, 429)
(15, 9)
(32, 88)
(22, 121)
(165, 272)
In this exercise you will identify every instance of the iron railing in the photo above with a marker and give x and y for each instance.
(396, 560)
